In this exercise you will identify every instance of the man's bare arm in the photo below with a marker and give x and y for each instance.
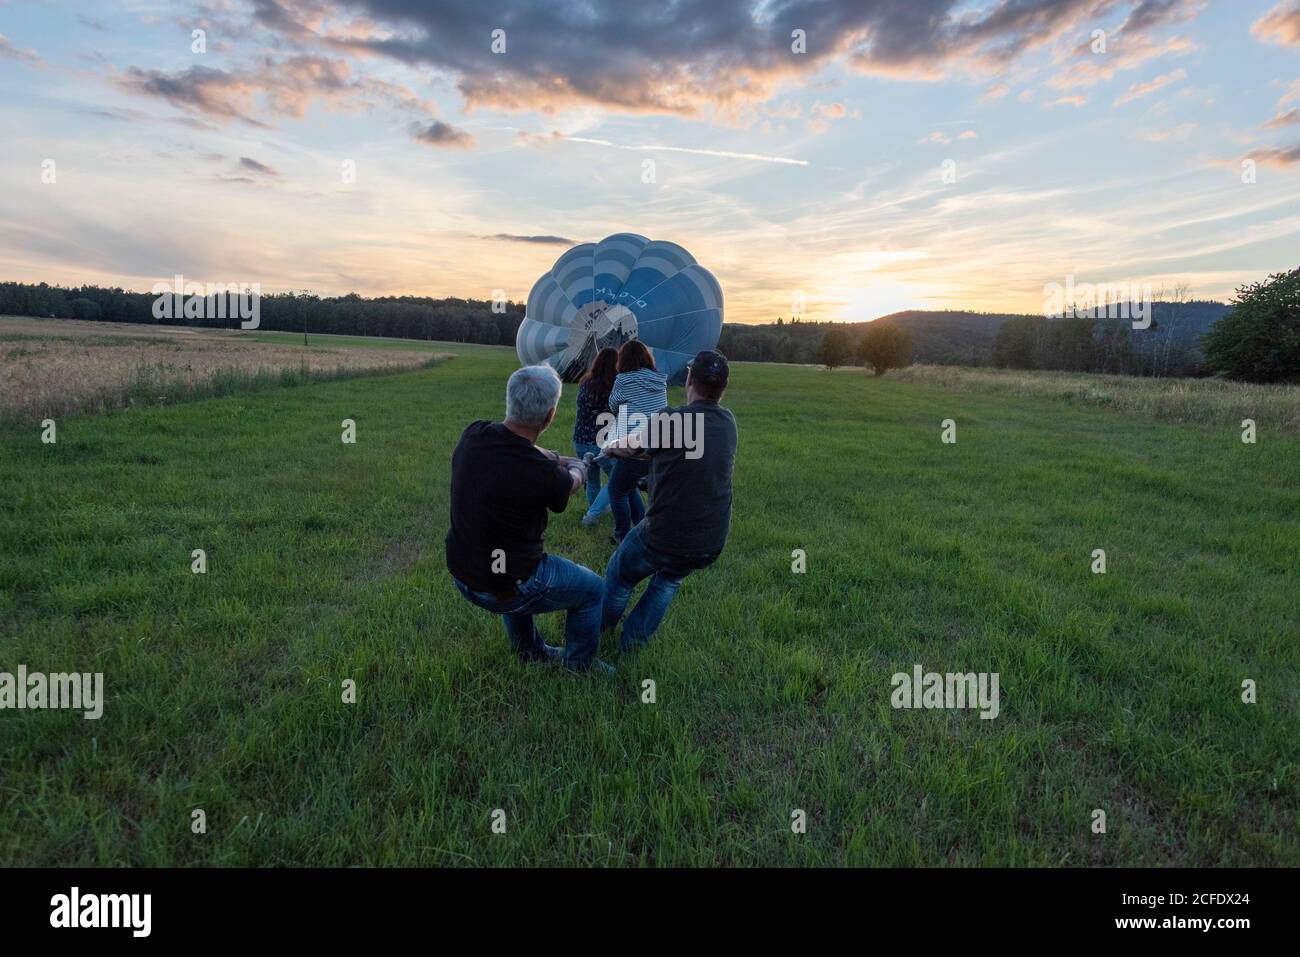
(559, 459)
(577, 468)
(578, 472)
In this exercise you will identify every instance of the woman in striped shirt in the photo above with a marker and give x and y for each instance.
(638, 387)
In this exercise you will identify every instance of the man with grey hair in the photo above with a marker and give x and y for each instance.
(502, 485)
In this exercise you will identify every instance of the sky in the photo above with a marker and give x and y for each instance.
(830, 160)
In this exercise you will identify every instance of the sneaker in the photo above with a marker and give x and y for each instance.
(589, 520)
(548, 654)
(595, 667)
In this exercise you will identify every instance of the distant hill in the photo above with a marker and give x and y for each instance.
(1179, 325)
(949, 337)
(966, 338)
(962, 337)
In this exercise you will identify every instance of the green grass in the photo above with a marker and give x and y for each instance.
(1118, 691)
(316, 340)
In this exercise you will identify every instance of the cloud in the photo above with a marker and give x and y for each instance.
(541, 240)
(524, 138)
(1150, 14)
(1139, 90)
(1128, 47)
(1286, 118)
(126, 115)
(996, 92)
(198, 89)
(283, 87)
(259, 168)
(943, 139)
(1281, 25)
(736, 55)
(441, 134)
(822, 115)
(1123, 54)
(725, 154)
(1174, 134)
(832, 111)
(269, 13)
(1075, 101)
(1280, 157)
(7, 49)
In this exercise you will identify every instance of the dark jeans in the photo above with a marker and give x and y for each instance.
(597, 497)
(624, 499)
(634, 561)
(556, 584)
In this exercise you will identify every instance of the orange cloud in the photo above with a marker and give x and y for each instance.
(1281, 25)
(1139, 90)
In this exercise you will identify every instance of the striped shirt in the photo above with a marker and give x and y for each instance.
(644, 391)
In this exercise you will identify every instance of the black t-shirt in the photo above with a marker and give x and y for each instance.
(501, 487)
(690, 498)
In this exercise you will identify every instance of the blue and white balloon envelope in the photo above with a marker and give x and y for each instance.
(623, 287)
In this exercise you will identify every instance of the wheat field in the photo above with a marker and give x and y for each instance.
(55, 367)
(1205, 401)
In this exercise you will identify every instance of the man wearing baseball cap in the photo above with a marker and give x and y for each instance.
(686, 523)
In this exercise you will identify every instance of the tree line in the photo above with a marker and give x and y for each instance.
(401, 317)
(1254, 338)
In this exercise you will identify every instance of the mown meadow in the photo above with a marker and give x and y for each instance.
(1119, 692)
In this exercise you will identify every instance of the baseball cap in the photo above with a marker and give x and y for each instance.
(709, 367)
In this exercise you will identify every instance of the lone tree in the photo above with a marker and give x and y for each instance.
(1259, 339)
(835, 349)
(885, 346)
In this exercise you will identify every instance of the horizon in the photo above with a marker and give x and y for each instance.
(894, 163)
(1078, 308)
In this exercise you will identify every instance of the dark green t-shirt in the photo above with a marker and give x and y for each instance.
(690, 498)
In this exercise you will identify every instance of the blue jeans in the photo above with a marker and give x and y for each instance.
(556, 584)
(597, 497)
(634, 561)
(624, 499)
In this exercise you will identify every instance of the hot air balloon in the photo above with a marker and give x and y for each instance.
(623, 287)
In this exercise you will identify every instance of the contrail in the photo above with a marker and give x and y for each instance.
(682, 149)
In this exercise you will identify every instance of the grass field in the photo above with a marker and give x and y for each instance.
(1119, 692)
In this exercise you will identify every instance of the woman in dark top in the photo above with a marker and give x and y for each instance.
(593, 399)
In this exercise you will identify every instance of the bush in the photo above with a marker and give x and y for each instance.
(835, 349)
(1259, 339)
(885, 346)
